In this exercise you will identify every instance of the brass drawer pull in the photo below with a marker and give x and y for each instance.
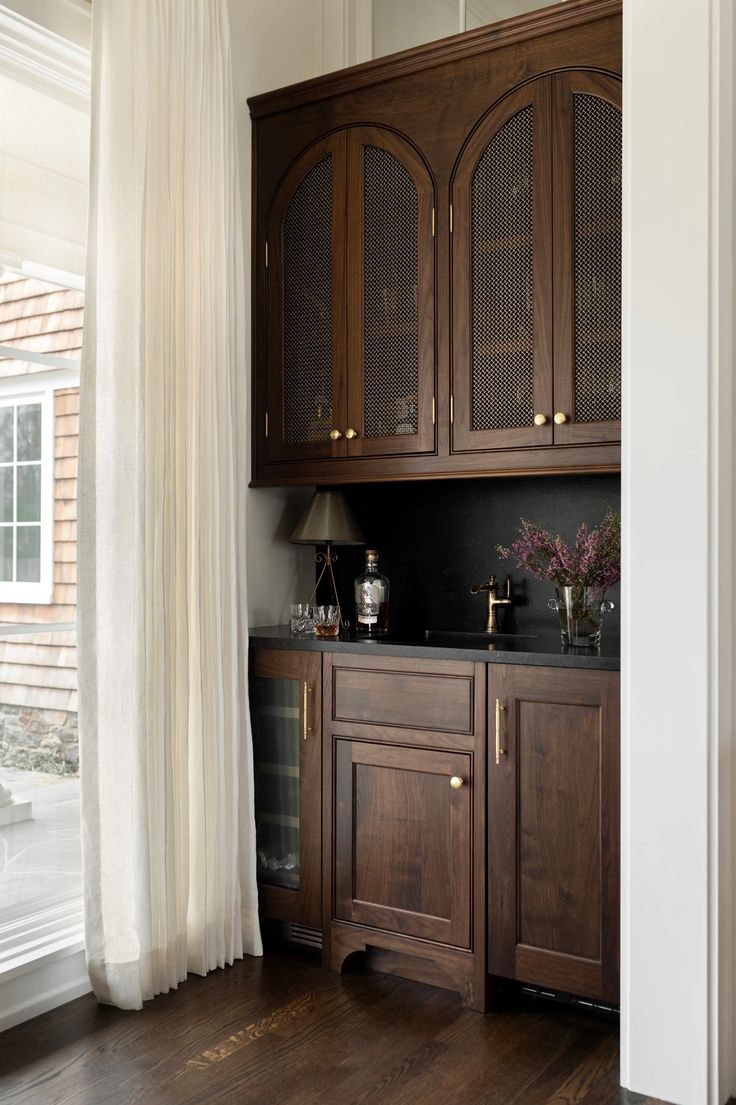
(306, 727)
(499, 750)
(335, 435)
(560, 418)
(456, 782)
(540, 419)
(350, 434)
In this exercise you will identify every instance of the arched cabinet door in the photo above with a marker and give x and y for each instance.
(305, 329)
(390, 296)
(587, 260)
(501, 278)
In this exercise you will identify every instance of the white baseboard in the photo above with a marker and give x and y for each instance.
(49, 981)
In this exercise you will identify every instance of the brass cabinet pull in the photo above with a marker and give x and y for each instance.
(335, 435)
(560, 418)
(499, 750)
(350, 434)
(540, 420)
(456, 782)
(307, 728)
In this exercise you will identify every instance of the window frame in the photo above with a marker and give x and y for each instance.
(15, 392)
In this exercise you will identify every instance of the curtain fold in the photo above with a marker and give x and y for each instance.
(167, 775)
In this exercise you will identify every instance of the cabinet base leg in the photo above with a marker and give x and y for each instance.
(387, 953)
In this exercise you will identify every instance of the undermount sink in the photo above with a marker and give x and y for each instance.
(460, 637)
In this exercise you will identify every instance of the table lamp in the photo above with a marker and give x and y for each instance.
(328, 520)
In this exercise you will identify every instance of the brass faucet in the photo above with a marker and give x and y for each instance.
(493, 600)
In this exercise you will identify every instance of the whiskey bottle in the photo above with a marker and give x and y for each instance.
(371, 599)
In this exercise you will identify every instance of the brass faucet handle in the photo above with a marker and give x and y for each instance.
(491, 586)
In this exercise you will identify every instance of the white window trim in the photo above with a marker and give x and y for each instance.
(60, 372)
(41, 593)
(42, 961)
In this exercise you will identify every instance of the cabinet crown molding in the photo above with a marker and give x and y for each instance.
(507, 32)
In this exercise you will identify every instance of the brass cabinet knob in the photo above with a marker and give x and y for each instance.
(540, 419)
(350, 434)
(456, 782)
(560, 418)
(335, 435)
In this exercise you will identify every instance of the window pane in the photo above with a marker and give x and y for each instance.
(6, 433)
(29, 493)
(29, 554)
(29, 432)
(6, 554)
(6, 494)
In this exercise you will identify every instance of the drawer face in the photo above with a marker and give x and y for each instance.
(426, 700)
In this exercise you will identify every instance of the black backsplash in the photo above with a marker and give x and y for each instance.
(436, 538)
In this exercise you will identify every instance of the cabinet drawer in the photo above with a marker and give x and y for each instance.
(431, 696)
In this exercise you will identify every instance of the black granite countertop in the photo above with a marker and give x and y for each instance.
(541, 649)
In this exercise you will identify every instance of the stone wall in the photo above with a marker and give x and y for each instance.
(39, 740)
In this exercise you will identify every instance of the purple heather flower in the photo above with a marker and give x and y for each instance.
(595, 560)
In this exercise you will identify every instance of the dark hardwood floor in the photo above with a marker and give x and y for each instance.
(281, 1031)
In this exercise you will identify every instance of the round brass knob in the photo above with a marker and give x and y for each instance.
(540, 419)
(335, 435)
(350, 434)
(456, 782)
(560, 418)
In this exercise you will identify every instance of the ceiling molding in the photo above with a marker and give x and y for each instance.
(44, 60)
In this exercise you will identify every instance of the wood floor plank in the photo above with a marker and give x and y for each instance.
(281, 1031)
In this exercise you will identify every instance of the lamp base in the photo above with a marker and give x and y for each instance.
(327, 559)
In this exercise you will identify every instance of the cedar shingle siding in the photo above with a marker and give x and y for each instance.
(41, 670)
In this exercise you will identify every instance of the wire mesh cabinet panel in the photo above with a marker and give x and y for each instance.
(501, 278)
(285, 703)
(305, 332)
(391, 297)
(587, 261)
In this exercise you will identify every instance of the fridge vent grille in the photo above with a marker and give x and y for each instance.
(301, 934)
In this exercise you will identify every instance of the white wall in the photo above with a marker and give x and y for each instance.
(678, 546)
(399, 26)
(273, 44)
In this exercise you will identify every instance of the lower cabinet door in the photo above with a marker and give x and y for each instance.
(402, 848)
(553, 828)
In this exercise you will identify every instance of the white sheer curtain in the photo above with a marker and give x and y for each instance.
(167, 799)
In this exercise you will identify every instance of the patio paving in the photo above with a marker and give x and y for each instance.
(40, 859)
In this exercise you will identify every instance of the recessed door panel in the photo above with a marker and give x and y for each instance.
(402, 840)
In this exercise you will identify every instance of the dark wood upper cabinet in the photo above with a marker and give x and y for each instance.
(437, 259)
(537, 269)
(587, 258)
(350, 303)
(553, 828)
(502, 277)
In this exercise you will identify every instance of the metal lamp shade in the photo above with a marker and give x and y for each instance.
(328, 517)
